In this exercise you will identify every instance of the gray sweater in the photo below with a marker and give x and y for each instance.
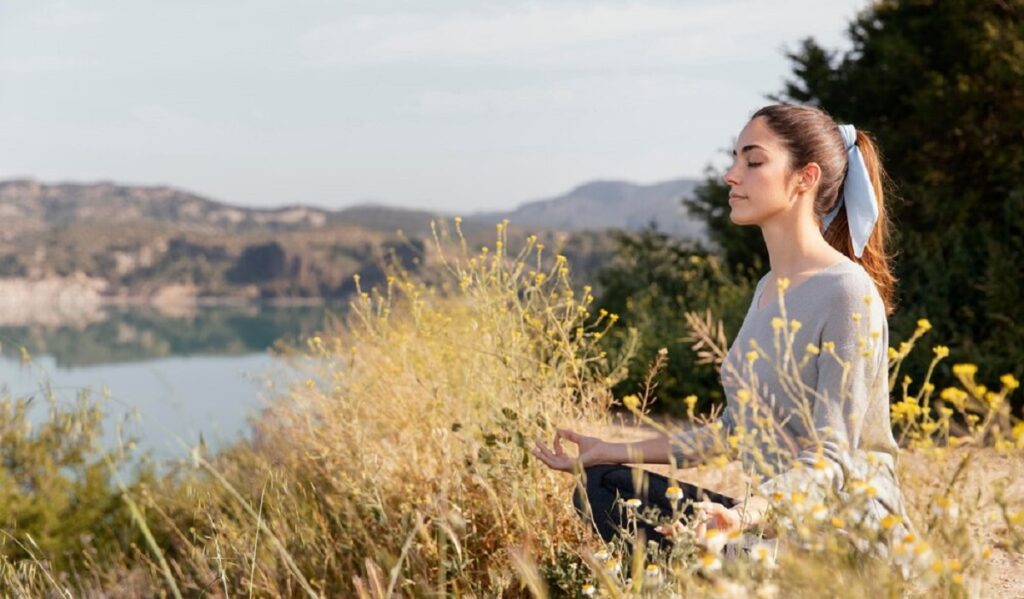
(837, 427)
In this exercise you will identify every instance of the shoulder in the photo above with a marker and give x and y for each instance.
(849, 285)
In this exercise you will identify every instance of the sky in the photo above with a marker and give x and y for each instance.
(450, 105)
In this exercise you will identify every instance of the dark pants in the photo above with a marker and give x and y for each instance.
(605, 483)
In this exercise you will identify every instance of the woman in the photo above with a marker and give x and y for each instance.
(815, 190)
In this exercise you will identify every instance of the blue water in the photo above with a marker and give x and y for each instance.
(164, 381)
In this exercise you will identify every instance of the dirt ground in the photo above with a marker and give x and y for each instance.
(922, 478)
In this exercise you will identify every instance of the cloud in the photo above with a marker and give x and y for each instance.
(557, 35)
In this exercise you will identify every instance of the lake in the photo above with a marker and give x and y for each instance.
(171, 377)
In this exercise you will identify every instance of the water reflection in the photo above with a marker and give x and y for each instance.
(201, 373)
(136, 334)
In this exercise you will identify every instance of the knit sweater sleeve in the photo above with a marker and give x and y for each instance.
(696, 445)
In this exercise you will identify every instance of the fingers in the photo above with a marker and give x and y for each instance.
(560, 434)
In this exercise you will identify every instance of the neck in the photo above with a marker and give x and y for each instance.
(795, 245)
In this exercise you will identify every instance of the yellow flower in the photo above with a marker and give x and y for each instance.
(855, 316)
(633, 503)
(868, 299)
(743, 396)
(812, 349)
(690, 401)
(588, 590)
(674, 493)
(782, 284)
(1009, 381)
(923, 325)
(893, 354)
(794, 325)
(941, 351)
(829, 346)
(964, 369)
(631, 401)
(458, 220)
(889, 521)
(778, 323)
(751, 356)
(838, 522)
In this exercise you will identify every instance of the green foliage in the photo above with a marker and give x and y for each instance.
(57, 497)
(650, 283)
(939, 85)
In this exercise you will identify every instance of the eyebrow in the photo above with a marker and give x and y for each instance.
(747, 148)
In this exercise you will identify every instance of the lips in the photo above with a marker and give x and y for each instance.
(735, 196)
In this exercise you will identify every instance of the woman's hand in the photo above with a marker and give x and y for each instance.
(742, 516)
(591, 451)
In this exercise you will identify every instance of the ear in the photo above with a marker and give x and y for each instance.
(808, 176)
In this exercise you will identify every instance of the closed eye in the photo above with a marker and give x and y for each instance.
(754, 163)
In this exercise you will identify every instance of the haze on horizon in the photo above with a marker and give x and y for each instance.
(449, 104)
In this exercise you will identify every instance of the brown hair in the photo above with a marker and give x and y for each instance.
(811, 135)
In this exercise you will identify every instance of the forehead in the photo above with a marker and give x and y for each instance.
(756, 132)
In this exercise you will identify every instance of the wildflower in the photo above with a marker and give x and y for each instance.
(945, 507)
(876, 334)
(458, 220)
(964, 369)
(690, 401)
(633, 503)
(709, 562)
(751, 356)
(923, 554)
(631, 401)
(674, 493)
(889, 521)
(612, 567)
(812, 349)
(762, 553)
(799, 500)
(588, 590)
(1017, 433)
(923, 325)
(652, 575)
(743, 396)
(778, 323)
(819, 511)
(855, 316)
(941, 351)
(714, 540)
(829, 346)
(893, 354)
(601, 555)
(1009, 381)
(838, 522)
(794, 325)
(868, 299)
(782, 284)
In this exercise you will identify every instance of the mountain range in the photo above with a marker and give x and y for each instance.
(29, 206)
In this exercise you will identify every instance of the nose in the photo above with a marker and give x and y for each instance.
(730, 177)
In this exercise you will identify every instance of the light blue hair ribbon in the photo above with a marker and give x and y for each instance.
(857, 194)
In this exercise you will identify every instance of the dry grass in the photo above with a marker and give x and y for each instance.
(401, 467)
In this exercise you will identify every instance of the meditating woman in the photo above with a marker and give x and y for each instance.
(815, 190)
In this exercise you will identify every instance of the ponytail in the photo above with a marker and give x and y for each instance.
(874, 258)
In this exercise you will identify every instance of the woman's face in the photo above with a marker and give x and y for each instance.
(761, 185)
